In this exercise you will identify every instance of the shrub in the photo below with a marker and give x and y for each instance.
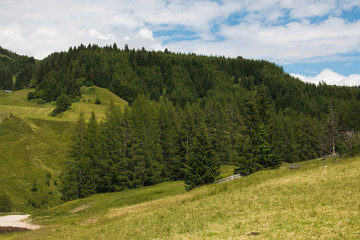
(5, 203)
(63, 103)
(31, 95)
(97, 100)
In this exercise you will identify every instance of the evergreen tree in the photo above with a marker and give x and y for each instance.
(147, 158)
(247, 161)
(93, 147)
(266, 152)
(284, 140)
(170, 141)
(114, 165)
(6, 82)
(78, 178)
(332, 130)
(63, 103)
(202, 166)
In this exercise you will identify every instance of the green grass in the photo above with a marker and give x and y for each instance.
(226, 170)
(34, 145)
(6, 56)
(313, 202)
(30, 149)
(16, 103)
(87, 103)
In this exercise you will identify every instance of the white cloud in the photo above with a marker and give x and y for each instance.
(44, 32)
(146, 34)
(331, 78)
(11, 33)
(100, 36)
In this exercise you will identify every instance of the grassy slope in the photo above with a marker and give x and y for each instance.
(30, 149)
(33, 144)
(5, 56)
(314, 202)
(16, 103)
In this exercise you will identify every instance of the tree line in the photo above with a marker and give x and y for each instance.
(155, 141)
(141, 145)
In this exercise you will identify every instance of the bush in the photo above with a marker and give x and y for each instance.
(31, 95)
(5, 203)
(97, 100)
(40, 101)
(63, 103)
(40, 94)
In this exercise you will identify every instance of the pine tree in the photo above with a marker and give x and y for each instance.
(202, 166)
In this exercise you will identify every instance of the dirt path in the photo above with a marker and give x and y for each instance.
(17, 221)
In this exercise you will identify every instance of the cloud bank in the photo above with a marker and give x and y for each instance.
(331, 78)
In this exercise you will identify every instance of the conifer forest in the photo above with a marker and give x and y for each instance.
(186, 116)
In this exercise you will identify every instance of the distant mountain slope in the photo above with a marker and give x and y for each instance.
(15, 62)
(15, 70)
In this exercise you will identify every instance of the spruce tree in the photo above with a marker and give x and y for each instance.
(170, 141)
(266, 153)
(114, 173)
(78, 177)
(247, 161)
(202, 166)
(147, 159)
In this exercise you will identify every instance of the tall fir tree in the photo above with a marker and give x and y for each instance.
(247, 161)
(202, 166)
(147, 158)
(78, 179)
(170, 141)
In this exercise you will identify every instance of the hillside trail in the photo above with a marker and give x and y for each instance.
(17, 221)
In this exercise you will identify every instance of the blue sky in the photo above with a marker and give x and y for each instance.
(314, 40)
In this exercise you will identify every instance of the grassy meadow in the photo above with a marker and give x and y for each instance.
(318, 201)
(16, 104)
(34, 145)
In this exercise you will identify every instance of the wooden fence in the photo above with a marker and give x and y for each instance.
(230, 178)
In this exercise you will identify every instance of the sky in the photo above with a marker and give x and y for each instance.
(314, 40)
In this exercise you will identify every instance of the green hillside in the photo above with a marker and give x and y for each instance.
(34, 145)
(319, 200)
(16, 103)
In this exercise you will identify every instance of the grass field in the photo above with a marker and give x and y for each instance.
(34, 145)
(87, 103)
(316, 201)
(16, 103)
(30, 150)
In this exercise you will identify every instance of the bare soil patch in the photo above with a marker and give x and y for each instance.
(12, 229)
(16, 222)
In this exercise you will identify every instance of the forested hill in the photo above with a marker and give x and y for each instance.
(14, 66)
(256, 115)
(186, 78)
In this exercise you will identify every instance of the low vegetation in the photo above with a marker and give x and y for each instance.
(318, 200)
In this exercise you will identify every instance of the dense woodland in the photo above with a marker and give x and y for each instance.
(249, 113)
(13, 65)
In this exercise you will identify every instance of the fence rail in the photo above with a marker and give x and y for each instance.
(227, 179)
